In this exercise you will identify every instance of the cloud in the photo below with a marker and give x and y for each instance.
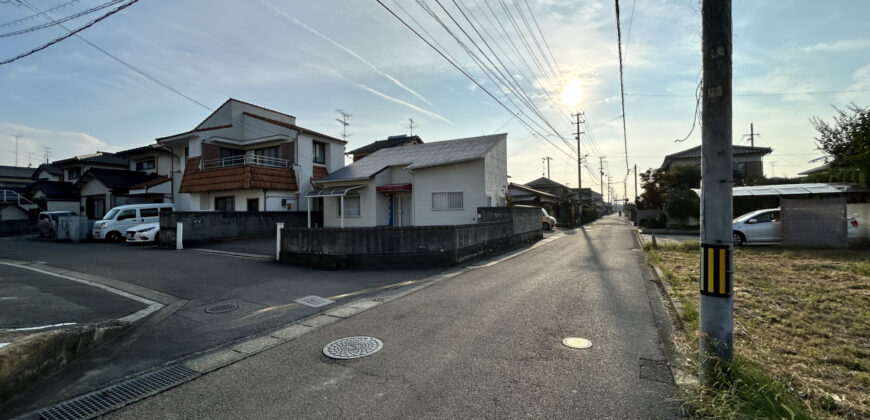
(839, 46)
(381, 94)
(349, 51)
(63, 144)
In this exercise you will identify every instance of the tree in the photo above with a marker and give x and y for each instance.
(846, 142)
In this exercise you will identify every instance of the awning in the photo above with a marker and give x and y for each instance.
(394, 188)
(333, 192)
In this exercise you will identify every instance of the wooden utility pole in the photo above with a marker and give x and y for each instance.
(716, 329)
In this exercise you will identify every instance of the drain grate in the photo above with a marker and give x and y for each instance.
(380, 297)
(314, 301)
(221, 308)
(116, 396)
(352, 347)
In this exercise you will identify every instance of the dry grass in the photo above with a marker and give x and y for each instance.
(803, 315)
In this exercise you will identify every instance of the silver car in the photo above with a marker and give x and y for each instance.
(766, 226)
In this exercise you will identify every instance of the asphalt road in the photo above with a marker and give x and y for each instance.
(485, 344)
(186, 282)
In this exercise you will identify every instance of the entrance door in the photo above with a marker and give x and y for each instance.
(403, 210)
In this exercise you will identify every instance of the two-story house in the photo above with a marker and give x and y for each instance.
(244, 157)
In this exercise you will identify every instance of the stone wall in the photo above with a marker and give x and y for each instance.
(208, 226)
(412, 246)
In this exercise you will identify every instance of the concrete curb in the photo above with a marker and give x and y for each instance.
(676, 359)
(25, 361)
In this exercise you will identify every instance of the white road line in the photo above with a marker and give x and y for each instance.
(63, 324)
(151, 307)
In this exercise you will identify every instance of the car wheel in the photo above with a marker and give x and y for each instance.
(157, 238)
(113, 237)
(739, 239)
(544, 226)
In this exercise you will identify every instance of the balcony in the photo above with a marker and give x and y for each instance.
(245, 160)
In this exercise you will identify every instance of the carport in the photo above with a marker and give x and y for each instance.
(330, 192)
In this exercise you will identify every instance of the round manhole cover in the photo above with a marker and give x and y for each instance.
(352, 347)
(577, 343)
(221, 308)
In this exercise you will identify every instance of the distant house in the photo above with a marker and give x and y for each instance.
(74, 167)
(440, 183)
(747, 160)
(525, 195)
(549, 186)
(153, 159)
(246, 157)
(15, 177)
(55, 195)
(48, 172)
(392, 141)
(102, 189)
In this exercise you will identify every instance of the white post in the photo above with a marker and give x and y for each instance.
(179, 233)
(342, 212)
(308, 200)
(278, 242)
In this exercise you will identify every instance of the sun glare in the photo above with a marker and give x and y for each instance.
(572, 93)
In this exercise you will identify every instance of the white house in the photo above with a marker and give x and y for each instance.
(246, 157)
(440, 183)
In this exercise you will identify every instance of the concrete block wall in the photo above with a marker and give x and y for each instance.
(206, 226)
(412, 246)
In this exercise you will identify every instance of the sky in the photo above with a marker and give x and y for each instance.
(792, 60)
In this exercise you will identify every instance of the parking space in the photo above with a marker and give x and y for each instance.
(31, 300)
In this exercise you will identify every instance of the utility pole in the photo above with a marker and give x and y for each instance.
(752, 135)
(17, 136)
(343, 120)
(577, 134)
(716, 329)
(411, 125)
(547, 159)
(635, 195)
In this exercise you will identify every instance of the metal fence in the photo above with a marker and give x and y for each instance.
(241, 160)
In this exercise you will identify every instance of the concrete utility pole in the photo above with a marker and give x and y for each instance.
(601, 175)
(17, 136)
(343, 120)
(635, 195)
(716, 329)
(752, 134)
(577, 134)
(547, 159)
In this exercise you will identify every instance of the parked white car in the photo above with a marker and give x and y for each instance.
(119, 219)
(148, 232)
(766, 226)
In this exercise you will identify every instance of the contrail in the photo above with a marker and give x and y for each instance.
(347, 50)
(381, 94)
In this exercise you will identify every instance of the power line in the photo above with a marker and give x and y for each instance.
(808, 92)
(59, 21)
(36, 15)
(466, 74)
(71, 33)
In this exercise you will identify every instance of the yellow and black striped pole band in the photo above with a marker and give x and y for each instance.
(716, 271)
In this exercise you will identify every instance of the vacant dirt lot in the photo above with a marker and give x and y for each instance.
(803, 314)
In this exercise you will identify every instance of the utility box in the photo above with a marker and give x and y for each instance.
(73, 228)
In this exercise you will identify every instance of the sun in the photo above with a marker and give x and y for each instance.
(572, 93)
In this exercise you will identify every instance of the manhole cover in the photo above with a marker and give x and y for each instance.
(352, 347)
(314, 301)
(221, 308)
(577, 343)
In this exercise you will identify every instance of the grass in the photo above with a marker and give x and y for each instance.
(802, 331)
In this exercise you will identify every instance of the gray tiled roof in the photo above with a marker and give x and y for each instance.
(99, 158)
(417, 156)
(16, 172)
(384, 144)
(695, 153)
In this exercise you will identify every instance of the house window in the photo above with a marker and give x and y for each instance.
(127, 214)
(146, 165)
(351, 206)
(226, 153)
(224, 204)
(149, 212)
(319, 152)
(253, 204)
(73, 174)
(447, 201)
(272, 152)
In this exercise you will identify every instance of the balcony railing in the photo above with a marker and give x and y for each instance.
(242, 160)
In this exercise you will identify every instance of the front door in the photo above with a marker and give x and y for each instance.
(402, 210)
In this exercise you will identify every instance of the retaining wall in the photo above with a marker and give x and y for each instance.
(412, 246)
(209, 226)
(16, 227)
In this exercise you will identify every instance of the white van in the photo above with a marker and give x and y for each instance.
(121, 218)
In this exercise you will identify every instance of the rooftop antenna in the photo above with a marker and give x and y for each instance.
(411, 125)
(343, 120)
(17, 136)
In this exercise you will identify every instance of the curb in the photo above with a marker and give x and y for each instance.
(676, 359)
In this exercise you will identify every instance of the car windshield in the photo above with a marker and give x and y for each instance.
(544, 212)
(111, 214)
